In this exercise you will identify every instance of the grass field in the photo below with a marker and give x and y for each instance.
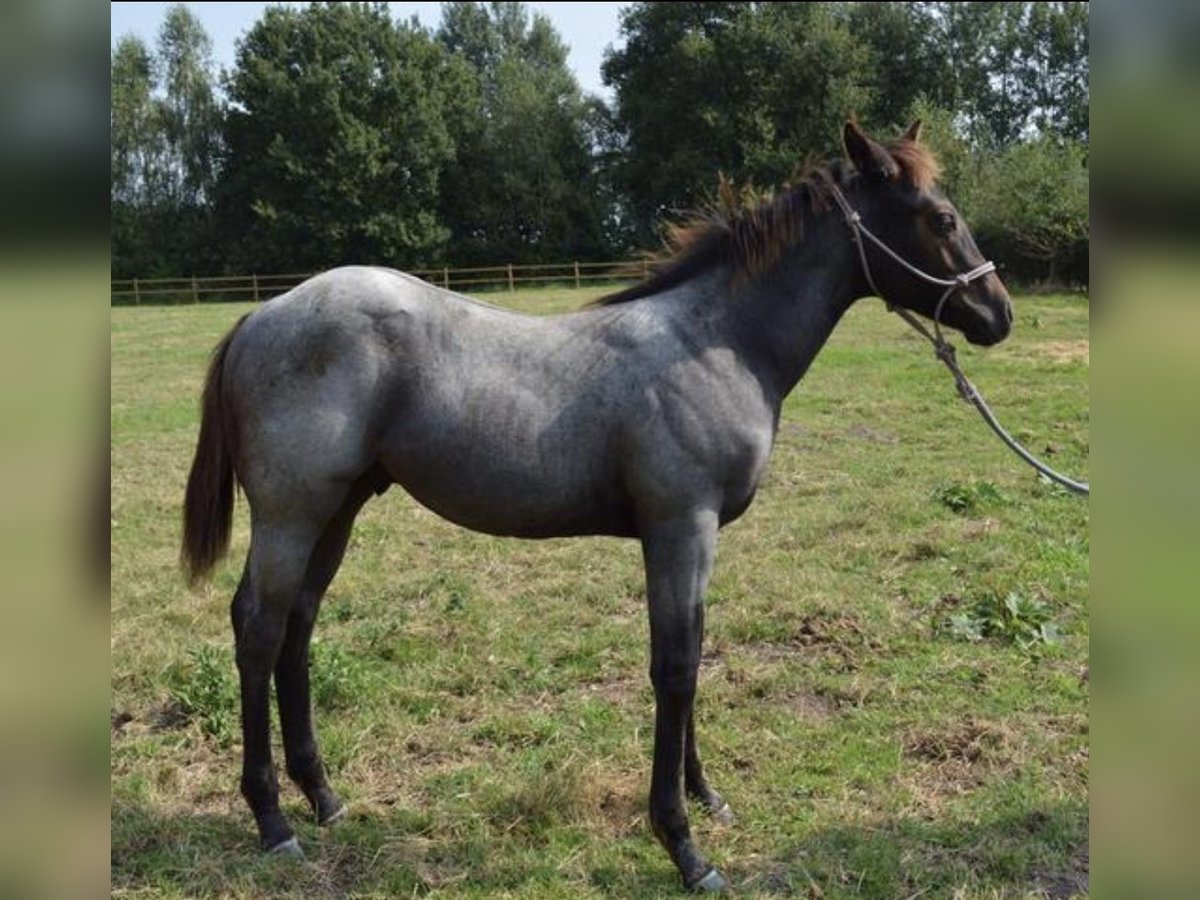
(893, 697)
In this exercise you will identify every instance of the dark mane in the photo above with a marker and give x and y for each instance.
(749, 231)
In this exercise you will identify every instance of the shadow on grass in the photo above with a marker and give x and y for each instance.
(1039, 852)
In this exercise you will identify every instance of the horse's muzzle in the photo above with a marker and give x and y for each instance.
(987, 321)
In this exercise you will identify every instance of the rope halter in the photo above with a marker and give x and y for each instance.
(942, 348)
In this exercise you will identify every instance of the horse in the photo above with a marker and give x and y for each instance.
(649, 414)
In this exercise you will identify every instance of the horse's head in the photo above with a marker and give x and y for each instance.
(900, 204)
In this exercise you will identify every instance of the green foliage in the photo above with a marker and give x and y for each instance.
(1011, 619)
(134, 122)
(969, 498)
(1008, 70)
(206, 691)
(902, 60)
(1027, 204)
(190, 118)
(1057, 70)
(337, 138)
(748, 89)
(338, 679)
(522, 188)
(1032, 209)
(165, 126)
(347, 137)
(752, 89)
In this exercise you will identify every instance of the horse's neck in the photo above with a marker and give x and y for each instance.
(783, 317)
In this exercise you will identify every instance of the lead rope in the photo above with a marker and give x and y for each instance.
(942, 348)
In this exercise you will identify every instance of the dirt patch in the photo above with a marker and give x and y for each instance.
(972, 742)
(166, 715)
(920, 551)
(871, 435)
(619, 690)
(764, 674)
(169, 716)
(812, 706)
(613, 803)
(829, 628)
(837, 636)
(974, 529)
(777, 880)
(933, 787)
(793, 430)
(403, 771)
(954, 761)
(1066, 351)
(1055, 351)
(1071, 881)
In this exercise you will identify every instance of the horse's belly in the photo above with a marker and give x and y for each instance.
(506, 432)
(501, 490)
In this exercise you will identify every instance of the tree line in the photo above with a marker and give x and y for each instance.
(341, 135)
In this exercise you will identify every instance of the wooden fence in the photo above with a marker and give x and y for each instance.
(194, 289)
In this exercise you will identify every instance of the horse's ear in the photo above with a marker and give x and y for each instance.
(914, 131)
(868, 157)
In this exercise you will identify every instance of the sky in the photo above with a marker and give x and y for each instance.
(587, 28)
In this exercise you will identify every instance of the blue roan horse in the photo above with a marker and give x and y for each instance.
(649, 415)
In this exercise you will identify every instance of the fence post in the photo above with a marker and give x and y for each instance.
(511, 284)
(576, 273)
(446, 277)
(137, 294)
(254, 277)
(195, 291)
(645, 268)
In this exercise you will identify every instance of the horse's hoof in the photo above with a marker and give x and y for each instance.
(330, 818)
(724, 815)
(713, 882)
(290, 847)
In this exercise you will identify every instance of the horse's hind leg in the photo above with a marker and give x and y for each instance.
(304, 764)
(270, 588)
(695, 783)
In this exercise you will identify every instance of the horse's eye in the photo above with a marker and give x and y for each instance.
(943, 223)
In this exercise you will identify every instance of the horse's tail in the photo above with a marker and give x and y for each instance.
(208, 503)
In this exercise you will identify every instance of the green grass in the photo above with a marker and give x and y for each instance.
(483, 703)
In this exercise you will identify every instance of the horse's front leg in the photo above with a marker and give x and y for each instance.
(678, 555)
(694, 783)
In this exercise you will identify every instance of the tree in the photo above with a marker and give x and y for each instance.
(135, 155)
(190, 117)
(523, 187)
(134, 122)
(350, 138)
(604, 137)
(337, 139)
(165, 125)
(903, 62)
(1056, 70)
(1033, 208)
(1012, 71)
(750, 89)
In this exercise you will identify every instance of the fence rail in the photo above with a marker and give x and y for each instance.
(194, 288)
